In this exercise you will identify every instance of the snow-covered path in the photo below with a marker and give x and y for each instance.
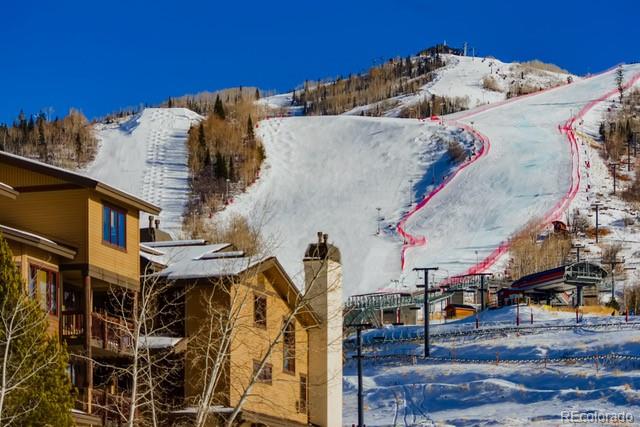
(147, 156)
(524, 176)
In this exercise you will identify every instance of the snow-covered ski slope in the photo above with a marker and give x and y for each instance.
(530, 172)
(331, 173)
(147, 156)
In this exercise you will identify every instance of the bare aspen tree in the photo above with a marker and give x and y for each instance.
(143, 318)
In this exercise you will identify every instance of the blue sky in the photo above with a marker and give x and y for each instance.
(101, 56)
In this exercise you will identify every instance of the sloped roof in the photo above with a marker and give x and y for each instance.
(7, 191)
(188, 260)
(79, 180)
(37, 241)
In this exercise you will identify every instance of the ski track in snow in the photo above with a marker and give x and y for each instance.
(147, 156)
(483, 226)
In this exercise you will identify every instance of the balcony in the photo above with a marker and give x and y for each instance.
(112, 408)
(109, 333)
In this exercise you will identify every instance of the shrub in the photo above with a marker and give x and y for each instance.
(490, 83)
(456, 152)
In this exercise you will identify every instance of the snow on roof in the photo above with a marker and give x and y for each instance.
(37, 240)
(157, 342)
(6, 186)
(170, 243)
(193, 261)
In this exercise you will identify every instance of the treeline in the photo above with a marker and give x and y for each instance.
(224, 153)
(529, 255)
(204, 103)
(395, 77)
(68, 142)
(435, 106)
(620, 131)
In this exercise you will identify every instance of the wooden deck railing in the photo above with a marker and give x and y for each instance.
(108, 332)
(113, 409)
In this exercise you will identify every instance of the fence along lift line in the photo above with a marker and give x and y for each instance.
(561, 279)
(366, 308)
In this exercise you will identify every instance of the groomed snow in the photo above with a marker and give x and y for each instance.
(331, 174)
(495, 392)
(147, 156)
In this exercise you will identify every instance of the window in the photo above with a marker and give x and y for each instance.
(43, 287)
(302, 403)
(265, 375)
(289, 350)
(260, 311)
(114, 226)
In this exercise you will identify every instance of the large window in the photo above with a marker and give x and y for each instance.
(43, 287)
(289, 350)
(114, 226)
(260, 311)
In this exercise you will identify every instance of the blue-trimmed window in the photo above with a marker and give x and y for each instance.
(114, 226)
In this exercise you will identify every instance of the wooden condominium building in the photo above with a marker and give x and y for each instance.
(279, 342)
(77, 243)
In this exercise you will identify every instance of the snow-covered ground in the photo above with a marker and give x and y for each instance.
(495, 392)
(146, 155)
(463, 77)
(618, 217)
(527, 174)
(331, 173)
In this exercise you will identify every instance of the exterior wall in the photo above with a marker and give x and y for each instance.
(324, 289)
(24, 256)
(195, 313)
(18, 177)
(280, 398)
(125, 262)
(56, 214)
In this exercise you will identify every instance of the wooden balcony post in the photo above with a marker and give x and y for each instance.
(88, 308)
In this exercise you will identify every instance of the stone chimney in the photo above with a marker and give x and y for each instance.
(152, 234)
(323, 286)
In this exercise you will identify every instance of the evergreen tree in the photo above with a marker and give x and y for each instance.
(250, 133)
(221, 166)
(257, 93)
(231, 171)
(36, 390)
(620, 81)
(203, 149)
(218, 108)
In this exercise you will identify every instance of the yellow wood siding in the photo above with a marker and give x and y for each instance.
(24, 256)
(279, 398)
(17, 177)
(125, 262)
(58, 215)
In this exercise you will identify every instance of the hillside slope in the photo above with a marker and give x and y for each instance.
(146, 155)
(331, 173)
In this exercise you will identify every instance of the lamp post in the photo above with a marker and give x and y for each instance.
(596, 205)
(577, 247)
(426, 271)
(613, 166)
(359, 327)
